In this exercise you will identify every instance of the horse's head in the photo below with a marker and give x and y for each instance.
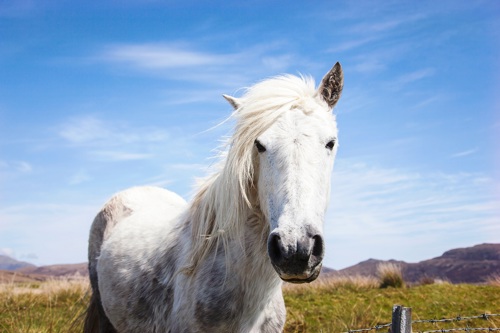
(294, 158)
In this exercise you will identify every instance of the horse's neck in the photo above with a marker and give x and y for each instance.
(253, 266)
(238, 271)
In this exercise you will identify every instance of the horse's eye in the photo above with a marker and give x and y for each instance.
(260, 147)
(330, 144)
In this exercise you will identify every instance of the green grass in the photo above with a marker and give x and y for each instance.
(338, 310)
(49, 307)
(319, 307)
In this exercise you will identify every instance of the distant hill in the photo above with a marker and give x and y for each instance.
(14, 276)
(12, 270)
(327, 270)
(466, 265)
(367, 267)
(10, 264)
(56, 270)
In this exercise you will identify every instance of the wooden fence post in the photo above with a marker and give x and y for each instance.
(401, 319)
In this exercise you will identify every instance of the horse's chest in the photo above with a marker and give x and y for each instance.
(219, 304)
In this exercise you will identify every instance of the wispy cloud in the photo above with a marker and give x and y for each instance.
(83, 130)
(109, 155)
(402, 81)
(17, 167)
(104, 140)
(387, 195)
(8, 252)
(81, 176)
(413, 76)
(369, 66)
(161, 56)
(188, 61)
(352, 44)
(91, 130)
(385, 25)
(464, 153)
(372, 204)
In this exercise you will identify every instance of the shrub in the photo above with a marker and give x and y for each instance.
(390, 275)
(494, 280)
(426, 280)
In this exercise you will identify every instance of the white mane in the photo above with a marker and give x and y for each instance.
(226, 199)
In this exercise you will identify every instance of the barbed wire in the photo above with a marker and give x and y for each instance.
(464, 329)
(374, 328)
(484, 316)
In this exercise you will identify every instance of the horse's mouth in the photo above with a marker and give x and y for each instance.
(298, 280)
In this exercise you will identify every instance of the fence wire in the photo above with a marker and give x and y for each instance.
(484, 316)
(374, 328)
(463, 329)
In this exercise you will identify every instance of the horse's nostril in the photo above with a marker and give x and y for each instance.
(274, 248)
(318, 247)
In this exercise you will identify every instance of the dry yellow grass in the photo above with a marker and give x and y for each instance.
(52, 286)
(390, 275)
(51, 306)
(494, 280)
(356, 282)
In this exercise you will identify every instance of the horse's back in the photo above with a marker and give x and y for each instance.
(145, 204)
(124, 239)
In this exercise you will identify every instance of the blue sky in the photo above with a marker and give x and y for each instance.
(95, 98)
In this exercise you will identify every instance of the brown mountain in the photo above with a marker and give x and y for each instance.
(466, 265)
(56, 270)
(368, 267)
(12, 270)
(15, 277)
(11, 264)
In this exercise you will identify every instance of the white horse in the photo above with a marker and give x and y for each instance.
(216, 264)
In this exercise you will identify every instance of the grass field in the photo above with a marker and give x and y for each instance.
(326, 306)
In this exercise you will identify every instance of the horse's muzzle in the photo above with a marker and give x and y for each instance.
(297, 261)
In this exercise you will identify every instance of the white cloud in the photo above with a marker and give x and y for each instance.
(80, 177)
(29, 256)
(84, 129)
(161, 56)
(109, 155)
(369, 66)
(412, 77)
(23, 167)
(464, 153)
(15, 167)
(91, 130)
(385, 25)
(8, 252)
(109, 141)
(186, 61)
(352, 44)
(390, 213)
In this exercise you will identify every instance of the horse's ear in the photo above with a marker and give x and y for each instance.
(331, 85)
(235, 102)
